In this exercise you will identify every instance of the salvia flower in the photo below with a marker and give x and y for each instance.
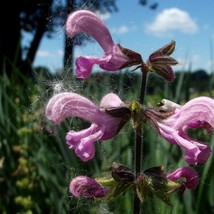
(173, 125)
(191, 176)
(115, 57)
(103, 125)
(83, 186)
(161, 62)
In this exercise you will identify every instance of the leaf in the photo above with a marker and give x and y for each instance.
(118, 112)
(122, 174)
(121, 189)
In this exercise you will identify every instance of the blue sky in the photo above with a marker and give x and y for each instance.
(189, 22)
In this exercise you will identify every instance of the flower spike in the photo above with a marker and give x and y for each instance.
(115, 57)
(103, 125)
(173, 126)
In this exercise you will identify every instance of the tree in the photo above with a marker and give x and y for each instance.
(22, 16)
(33, 17)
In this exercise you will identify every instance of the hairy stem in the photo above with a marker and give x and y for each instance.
(138, 138)
(143, 84)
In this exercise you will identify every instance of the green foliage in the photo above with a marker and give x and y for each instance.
(37, 166)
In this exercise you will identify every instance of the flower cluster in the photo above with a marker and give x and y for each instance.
(197, 113)
(172, 121)
(115, 58)
(148, 181)
(103, 125)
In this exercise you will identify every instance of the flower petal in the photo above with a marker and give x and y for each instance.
(82, 141)
(110, 100)
(84, 21)
(192, 177)
(73, 138)
(197, 113)
(51, 102)
(66, 104)
(200, 109)
(84, 66)
(195, 151)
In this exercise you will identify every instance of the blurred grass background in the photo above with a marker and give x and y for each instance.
(37, 166)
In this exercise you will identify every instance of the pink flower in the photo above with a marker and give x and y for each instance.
(83, 186)
(103, 125)
(115, 57)
(192, 177)
(173, 126)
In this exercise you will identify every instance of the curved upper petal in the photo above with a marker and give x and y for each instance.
(64, 105)
(196, 111)
(51, 102)
(84, 21)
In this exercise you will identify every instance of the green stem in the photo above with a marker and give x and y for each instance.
(144, 71)
(138, 155)
(138, 139)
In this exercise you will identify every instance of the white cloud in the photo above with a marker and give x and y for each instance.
(60, 52)
(123, 29)
(120, 30)
(43, 53)
(209, 66)
(195, 58)
(172, 19)
(103, 16)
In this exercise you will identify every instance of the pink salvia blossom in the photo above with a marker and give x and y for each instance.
(83, 186)
(103, 125)
(197, 113)
(115, 57)
(192, 177)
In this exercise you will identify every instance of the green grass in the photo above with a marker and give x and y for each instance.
(36, 167)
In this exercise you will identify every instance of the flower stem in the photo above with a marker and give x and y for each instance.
(144, 71)
(138, 138)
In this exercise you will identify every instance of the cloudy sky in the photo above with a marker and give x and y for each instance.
(189, 22)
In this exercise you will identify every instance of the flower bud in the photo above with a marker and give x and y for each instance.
(160, 61)
(83, 186)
